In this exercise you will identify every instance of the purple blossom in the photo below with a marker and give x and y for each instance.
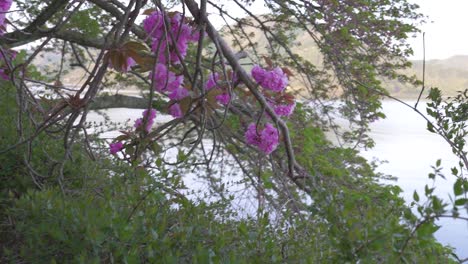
(258, 73)
(223, 98)
(130, 63)
(4, 7)
(175, 111)
(179, 93)
(251, 135)
(266, 140)
(149, 120)
(181, 32)
(115, 147)
(165, 80)
(284, 109)
(275, 80)
(211, 82)
(270, 139)
(154, 24)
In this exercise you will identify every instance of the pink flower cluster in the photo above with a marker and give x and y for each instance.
(115, 147)
(175, 111)
(4, 7)
(150, 116)
(163, 43)
(266, 140)
(170, 42)
(212, 82)
(283, 109)
(275, 80)
(166, 81)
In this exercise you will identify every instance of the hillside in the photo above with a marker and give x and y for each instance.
(450, 74)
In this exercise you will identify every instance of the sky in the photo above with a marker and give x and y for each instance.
(446, 35)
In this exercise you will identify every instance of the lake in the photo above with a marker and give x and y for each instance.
(411, 150)
(403, 141)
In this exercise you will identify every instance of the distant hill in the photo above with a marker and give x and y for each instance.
(450, 74)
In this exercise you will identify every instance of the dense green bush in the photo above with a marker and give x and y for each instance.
(107, 212)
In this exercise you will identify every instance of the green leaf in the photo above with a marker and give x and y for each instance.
(416, 196)
(430, 127)
(461, 201)
(458, 187)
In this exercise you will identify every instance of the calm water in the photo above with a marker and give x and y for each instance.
(403, 141)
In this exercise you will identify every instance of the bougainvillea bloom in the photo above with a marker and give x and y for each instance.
(211, 82)
(165, 80)
(270, 139)
(182, 34)
(179, 94)
(154, 25)
(258, 73)
(175, 111)
(283, 109)
(149, 120)
(115, 147)
(265, 140)
(275, 80)
(4, 7)
(223, 98)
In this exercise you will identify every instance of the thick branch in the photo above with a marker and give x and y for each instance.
(30, 33)
(19, 38)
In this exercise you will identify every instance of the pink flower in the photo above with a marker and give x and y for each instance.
(181, 36)
(211, 82)
(275, 80)
(115, 147)
(5, 5)
(175, 111)
(179, 93)
(251, 135)
(258, 73)
(130, 63)
(149, 120)
(223, 98)
(266, 140)
(165, 80)
(283, 109)
(270, 139)
(154, 24)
